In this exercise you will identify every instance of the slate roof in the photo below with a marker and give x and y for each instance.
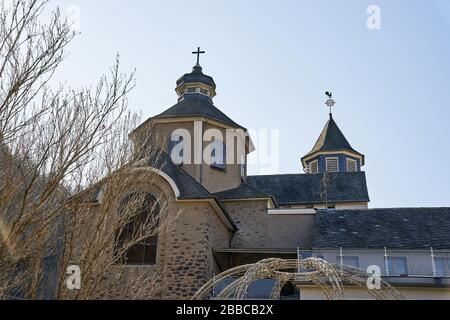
(196, 76)
(332, 139)
(189, 188)
(197, 105)
(308, 188)
(244, 191)
(404, 228)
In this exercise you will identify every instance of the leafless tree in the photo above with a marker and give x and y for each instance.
(65, 164)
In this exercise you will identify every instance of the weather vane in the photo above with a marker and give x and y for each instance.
(198, 53)
(330, 102)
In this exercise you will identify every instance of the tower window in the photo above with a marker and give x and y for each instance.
(197, 90)
(332, 164)
(218, 155)
(314, 167)
(352, 165)
(176, 149)
(243, 167)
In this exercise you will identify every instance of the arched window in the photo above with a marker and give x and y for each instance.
(142, 212)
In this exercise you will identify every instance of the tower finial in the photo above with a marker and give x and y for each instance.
(198, 53)
(330, 102)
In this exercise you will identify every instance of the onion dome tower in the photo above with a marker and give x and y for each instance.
(196, 82)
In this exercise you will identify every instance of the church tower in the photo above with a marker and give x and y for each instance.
(332, 152)
(197, 136)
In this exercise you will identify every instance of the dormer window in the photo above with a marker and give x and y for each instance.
(352, 165)
(332, 165)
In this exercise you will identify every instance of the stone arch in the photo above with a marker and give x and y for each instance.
(163, 175)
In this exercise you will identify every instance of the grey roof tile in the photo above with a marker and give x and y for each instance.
(401, 228)
(244, 191)
(332, 139)
(189, 188)
(196, 75)
(197, 105)
(308, 188)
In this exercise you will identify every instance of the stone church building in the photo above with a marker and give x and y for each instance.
(221, 217)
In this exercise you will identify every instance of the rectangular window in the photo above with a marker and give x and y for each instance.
(397, 266)
(243, 167)
(176, 149)
(143, 253)
(442, 266)
(352, 165)
(314, 167)
(349, 261)
(219, 155)
(332, 164)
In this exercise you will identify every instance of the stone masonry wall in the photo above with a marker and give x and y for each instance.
(258, 229)
(190, 230)
(189, 263)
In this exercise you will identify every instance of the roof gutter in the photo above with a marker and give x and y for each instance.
(216, 203)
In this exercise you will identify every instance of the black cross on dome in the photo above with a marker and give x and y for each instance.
(198, 53)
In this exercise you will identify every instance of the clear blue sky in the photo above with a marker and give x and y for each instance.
(272, 62)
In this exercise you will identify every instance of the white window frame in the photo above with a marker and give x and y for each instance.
(326, 164)
(354, 162)
(317, 164)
